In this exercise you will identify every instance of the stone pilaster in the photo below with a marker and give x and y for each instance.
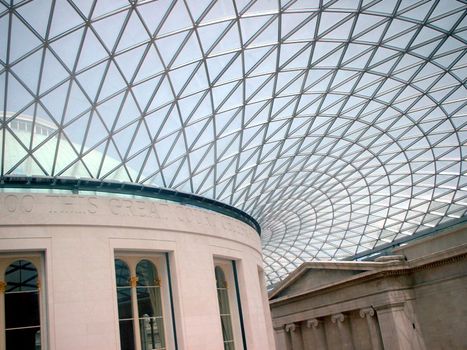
(319, 336)
(396, 328)
(373, 328)
(295, 336)
(281, 338)
(344, 331)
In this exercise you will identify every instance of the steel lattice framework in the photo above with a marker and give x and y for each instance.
(339, 125)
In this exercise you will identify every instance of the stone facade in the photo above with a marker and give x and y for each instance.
(73, 240)
(412, 299)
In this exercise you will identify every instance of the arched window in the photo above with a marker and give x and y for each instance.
(141, 303)
(22, 314)
(125, 310)
(224, 308)
(150, 317)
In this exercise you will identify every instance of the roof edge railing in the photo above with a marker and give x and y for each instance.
(79, 184)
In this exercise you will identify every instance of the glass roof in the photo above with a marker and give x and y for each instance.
(339, 125)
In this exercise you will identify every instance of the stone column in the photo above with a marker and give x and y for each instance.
(295, 336)
(134, 304)
(318, 334)
(344, 331)
(373, 327)
(281, 338)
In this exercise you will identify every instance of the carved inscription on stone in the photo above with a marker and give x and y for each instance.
(57, 204)
(16, 203)
(128, 207)
(60, 204)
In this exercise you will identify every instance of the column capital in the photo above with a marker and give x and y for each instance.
(291, 327)
(313, 323)
(367, 312)
(338, 317)
(133, 281)
(279, 328)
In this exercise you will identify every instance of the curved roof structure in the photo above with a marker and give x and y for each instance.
(339, 125)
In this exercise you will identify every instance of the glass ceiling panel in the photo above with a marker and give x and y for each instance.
(340, 127)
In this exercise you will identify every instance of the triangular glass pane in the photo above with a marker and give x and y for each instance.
(67, 47)
(27, 70)
(163, 95)
(91, 79)
(198, 8)
(329, 19)
(108, 110)
(53, 73)
(133, 34)
(97, 132)
(66, 155)
(342, 32)
(17, 96)
(179, 77)
(151, 66)
(54, 101)
(129, 61)
(169, 45)
(141, 141)
(233, 72)
(113, 82)
(178, 19)
(234, 100)
(123, 138)
(260, 60)
(221, 10)
(92, 51)
(23, 38)
(305, 30)
(210, 33)
(144, 91)
(153, 12)
(128, 113)
(198, 82)
(65, 17)
(191, 51)
(289, 50)
(104, 7)
(76, 130)
(36, 13)
(229, 42)
(109, 28)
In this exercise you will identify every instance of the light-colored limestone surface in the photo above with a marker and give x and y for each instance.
(78, 237)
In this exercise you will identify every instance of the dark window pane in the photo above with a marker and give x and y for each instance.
(147, 274)
(127, 341)
(229, 346)
(227, 327)
(125, 313)
(124, 303)
(122, 273)
(21, 276)
(22, 309)
(223, 297)
(220, 278)
(224, 308)
(23, 339)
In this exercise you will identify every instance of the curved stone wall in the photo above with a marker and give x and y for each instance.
(79, 236)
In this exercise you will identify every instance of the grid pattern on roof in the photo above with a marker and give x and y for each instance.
(339, 125)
